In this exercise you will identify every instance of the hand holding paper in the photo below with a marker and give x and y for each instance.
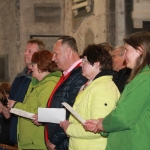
(35, 120)
(53, 115)
(65, 124)
(73, 112)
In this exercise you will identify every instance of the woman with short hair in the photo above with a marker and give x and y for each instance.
(42, 84)
(96, 98)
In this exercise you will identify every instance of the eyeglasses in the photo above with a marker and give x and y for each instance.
(84, 60)
(33, 64)
(113, 56)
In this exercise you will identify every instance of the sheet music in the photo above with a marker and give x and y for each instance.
(73, 112)
(53, 115)
(22, 113)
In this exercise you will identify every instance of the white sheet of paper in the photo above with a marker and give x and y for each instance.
(73, 112)
(21, 113)
(53, 115)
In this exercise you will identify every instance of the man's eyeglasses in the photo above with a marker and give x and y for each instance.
(113, 56)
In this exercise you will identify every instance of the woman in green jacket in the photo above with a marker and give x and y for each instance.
(42, 84)
(129, 124)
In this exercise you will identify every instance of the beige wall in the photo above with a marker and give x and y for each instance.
(95, 22)
(28, 25)
(17, 23)
(8, 35)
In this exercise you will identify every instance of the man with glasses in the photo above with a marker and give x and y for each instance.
(119, 65)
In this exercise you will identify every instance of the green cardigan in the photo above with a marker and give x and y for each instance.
(129, 123)
(31, 136)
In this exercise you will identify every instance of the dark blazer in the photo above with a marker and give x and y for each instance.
(18, 91)
(66, 92)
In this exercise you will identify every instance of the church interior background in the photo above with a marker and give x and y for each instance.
(88, 21)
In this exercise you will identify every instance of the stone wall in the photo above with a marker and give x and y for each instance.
(90, 28)
(41, 19)
(49, 19)
(9, 38)
(20, 20)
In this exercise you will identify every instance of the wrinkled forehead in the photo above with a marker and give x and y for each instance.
(33, 47)
(59, 47)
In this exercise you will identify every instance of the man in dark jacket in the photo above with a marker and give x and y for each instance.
(119, 65)
(21, 82)
(67, 59)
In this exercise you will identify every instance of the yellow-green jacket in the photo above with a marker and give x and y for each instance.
(96, 101)
(31, 136)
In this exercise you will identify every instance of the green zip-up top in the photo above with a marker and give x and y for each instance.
(31, 136)
(129, 123)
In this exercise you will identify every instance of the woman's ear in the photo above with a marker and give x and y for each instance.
(140, 50)
(39, 71)
(97, 65)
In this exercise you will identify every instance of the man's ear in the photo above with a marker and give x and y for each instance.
(68, 51)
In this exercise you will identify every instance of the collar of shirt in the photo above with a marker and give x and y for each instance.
(72, 67)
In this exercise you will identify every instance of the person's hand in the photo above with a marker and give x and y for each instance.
(94, 125)
(10, 103)
(90, 125)
(50, 146)
(99, 126)
(4, 111)
(65, 124)
(35, 120)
